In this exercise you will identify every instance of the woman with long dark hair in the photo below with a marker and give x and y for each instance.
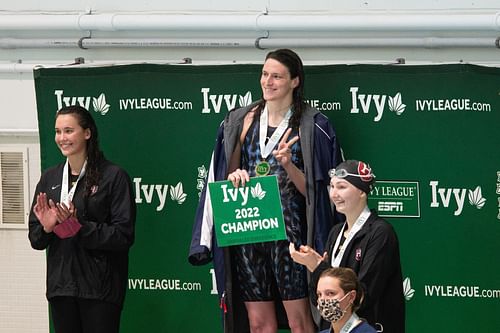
(83, 214)
(278, 135)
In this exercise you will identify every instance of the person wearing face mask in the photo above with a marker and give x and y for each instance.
(339, 295)
(365, 243)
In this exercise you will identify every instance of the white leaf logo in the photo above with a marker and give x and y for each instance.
(396, 104)
(476, 198)
(202, 172)
(257, 192)
(246, 100)
(407, 289)
(100, 104)
(177, 193)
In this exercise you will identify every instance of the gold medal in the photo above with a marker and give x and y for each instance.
(262, 168)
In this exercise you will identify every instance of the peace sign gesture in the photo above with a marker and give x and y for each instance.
(284, 152)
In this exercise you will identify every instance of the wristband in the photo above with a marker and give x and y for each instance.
(68, 228)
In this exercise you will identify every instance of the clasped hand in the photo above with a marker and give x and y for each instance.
(50, 214)
(306, 256)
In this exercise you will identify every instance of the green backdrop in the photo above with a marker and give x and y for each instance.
(430, 133)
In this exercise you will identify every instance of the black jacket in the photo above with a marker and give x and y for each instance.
(94, 263)
(373, 254)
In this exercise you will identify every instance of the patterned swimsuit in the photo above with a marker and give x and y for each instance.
(260, 266)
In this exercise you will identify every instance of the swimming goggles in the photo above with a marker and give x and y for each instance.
(342, 173)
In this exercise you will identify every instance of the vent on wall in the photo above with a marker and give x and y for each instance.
(13, 187)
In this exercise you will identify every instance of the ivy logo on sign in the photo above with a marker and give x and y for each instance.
(247, 214)
(257, 192)
(200, 181)
(407, 289)
(455, 197)
(98, 103)
(157, 194)
(370, 101)
(396, 104)
(215, 102)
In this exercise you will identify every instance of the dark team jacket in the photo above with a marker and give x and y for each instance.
(94, 263)
(373, 254)
(321, 152)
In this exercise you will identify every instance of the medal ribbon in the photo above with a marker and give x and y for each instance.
(66, 194)
(355, 228)
(349, 325)
(266, 149)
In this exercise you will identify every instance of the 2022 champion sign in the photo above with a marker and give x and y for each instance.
(247, 214)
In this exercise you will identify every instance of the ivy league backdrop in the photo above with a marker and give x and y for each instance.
(430, 133)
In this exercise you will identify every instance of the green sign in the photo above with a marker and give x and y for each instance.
(247, 214)
(435, 125)
(395, 198)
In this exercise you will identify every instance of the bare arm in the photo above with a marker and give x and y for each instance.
(235, 174)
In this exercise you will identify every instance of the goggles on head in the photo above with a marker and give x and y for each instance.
(342, 173)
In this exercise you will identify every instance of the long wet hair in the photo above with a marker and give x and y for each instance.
(94, 153)
(293, 63)
(348, 281)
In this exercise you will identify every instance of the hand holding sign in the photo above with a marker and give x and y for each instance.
(247, 214)
(238, 177)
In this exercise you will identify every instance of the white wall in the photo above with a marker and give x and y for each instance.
(227, 5)
(17, 101)
(23, 307)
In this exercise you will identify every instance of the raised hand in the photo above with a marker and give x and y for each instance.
(284, 152)
(46, 212)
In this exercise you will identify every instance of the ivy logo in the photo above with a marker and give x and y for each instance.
(408, 291)
(100, 105)
(202, 171)
(202, 175)
(455, 197)
(257, 192)
(365, 103)
(177, 193)
(215, 103)
(158, 193)
(246, 100)
(476, 198)
(396, 105)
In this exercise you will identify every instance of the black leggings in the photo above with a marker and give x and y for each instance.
(78, 315)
